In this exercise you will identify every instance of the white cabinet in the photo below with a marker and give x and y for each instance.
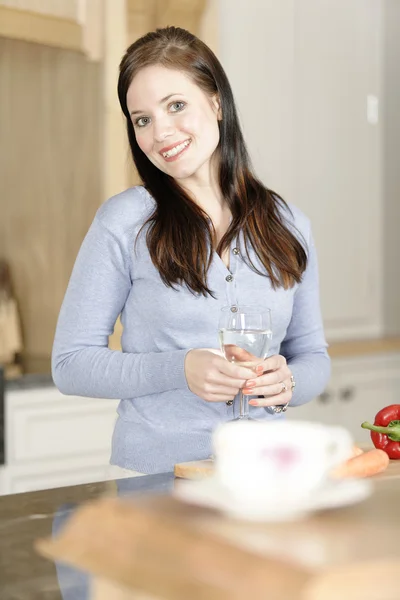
(337, 156)
(52, 474)
(358, 389)
(45, 423)
(54, 440)
(310, 138)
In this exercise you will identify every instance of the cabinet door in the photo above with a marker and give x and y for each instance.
(363, 387)
(43, 475)
(336, 161)
(43, 424)
(4, 481)
(54, 474)
(322, 409)
(358, 389)
(320, 62)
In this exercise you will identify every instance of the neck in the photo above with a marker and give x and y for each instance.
(204, 189)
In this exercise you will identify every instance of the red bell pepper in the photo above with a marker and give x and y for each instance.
(385, 432)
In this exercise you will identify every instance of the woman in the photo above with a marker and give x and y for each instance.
(201, 233)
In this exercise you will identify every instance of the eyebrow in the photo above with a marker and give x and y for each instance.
(138, 112)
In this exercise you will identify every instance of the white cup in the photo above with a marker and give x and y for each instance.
(277, 464)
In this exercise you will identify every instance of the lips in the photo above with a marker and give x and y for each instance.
(173, 151)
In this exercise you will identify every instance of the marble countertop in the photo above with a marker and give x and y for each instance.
(24, 575)
(29, 381)
(24, 518)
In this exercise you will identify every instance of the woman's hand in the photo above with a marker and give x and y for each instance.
(271, 384)
(213, 378)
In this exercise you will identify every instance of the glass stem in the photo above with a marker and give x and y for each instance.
(243, 406)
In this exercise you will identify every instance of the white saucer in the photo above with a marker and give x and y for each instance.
(333, 494)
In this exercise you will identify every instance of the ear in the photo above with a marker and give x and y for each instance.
(216, 102)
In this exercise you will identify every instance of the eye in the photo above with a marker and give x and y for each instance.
(177, 106)
(142, 121)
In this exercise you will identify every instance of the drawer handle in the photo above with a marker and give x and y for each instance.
(346, 394)
(325, 397)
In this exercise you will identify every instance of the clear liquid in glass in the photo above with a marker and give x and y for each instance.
(255, 343)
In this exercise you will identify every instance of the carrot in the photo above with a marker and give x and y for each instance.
(357, 451)
(364, 465)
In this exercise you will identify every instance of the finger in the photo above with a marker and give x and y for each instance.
(276, 400)
(230, 383)
(234, 353)
(274, 362)
(238, 372)
(216, 351)
(272, 378)
(268, 390)
(220, 397)
(226, 390)
(220, 379)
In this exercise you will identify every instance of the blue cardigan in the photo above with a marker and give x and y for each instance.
(160, 421)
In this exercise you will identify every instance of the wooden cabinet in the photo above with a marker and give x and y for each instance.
(57, 23)
(359, 388)
(69, 24)
(62, 9)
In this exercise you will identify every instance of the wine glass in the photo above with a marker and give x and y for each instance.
(245, 334)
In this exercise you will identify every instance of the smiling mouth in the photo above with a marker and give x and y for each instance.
(176, 150)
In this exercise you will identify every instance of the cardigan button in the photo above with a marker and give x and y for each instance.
(236, 251)
(229, 278)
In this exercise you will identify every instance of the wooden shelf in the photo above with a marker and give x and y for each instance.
(40, 28)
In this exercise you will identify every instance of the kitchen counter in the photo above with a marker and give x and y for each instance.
(357, 348)
(328, 539)
(30, 381)
(24, 575)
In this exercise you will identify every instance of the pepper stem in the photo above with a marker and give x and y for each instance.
(392, 431)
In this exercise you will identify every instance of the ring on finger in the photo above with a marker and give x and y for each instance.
(284, 387)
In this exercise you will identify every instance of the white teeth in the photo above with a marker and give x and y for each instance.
(174, 151)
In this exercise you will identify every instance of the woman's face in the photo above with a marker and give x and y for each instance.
(175, 122)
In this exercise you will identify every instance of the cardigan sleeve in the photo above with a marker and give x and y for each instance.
(82, 363)
(304, 345)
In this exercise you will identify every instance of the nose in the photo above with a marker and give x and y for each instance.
(163, 128)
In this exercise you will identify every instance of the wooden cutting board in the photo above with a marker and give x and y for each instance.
(198, 469)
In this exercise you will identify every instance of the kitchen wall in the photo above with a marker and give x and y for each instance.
(391, 158)
(51, 129)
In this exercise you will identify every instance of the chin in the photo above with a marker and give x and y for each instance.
(180, 172)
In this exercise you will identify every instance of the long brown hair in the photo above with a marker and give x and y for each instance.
(179, 236)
